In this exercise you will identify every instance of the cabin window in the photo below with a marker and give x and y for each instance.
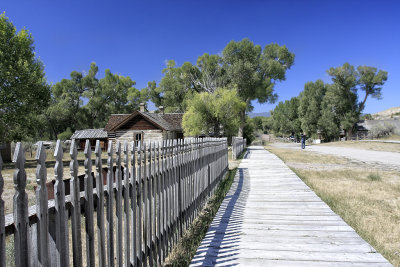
(138, 138)
(179, 135)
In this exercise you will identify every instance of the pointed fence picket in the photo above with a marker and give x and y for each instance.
(133, 217)
(2, 221)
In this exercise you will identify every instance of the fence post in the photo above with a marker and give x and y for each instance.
(61, 216)
(140, 204)
(100, 207)
(110, 205)
(118, 204)
(88, 182)
(42, 208)
(76, 207)
(21, 249)
(2, 221)
(150, 203)
(159, 202)
(126, 204)
(133, 206)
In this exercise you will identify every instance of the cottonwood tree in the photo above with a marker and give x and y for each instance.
(342, 100)
(112, 94)
(370, 81)
(310, 100)
(24, 92)
(175, 88)
(285, 117)
(213, 112)
(180, 84)
(255, 71)
(209, 74)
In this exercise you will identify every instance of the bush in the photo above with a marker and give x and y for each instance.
(374, 177)
(65, 135)
(380, 130)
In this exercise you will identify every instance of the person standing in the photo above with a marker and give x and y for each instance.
(303, 141)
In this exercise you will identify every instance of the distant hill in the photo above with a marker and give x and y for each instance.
(260, 114)
(386, 114)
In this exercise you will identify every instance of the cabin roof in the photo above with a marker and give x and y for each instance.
(167, 121)
(89, 134)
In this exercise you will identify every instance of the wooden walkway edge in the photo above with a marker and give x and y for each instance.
(271, 218)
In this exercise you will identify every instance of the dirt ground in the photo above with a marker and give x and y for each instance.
(386, 160)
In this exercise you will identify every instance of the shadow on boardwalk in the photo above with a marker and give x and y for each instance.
(223, 237)
(271, 218)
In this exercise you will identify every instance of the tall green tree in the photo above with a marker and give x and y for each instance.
(175, 88)
(331, 114)
(180, 84)
(263, 124)
(65, 109)
(84, 101)
(310, 100)
(370, 81)
(347, 81)
(211, 112)
(285, 117)
(24, 92)
(209, 73)
(255, 71)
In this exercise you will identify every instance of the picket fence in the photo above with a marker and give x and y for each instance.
(238, 145)
(133, 217)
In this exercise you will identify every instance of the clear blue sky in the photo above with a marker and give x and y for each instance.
(135, 38)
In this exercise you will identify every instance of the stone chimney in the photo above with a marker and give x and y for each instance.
(161, 109)
(141, 107)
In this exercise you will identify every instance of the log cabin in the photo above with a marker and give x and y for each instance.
(144, 126)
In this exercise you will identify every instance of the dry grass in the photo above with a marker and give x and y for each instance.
(377, 146)
(392, 137)
(370, 206)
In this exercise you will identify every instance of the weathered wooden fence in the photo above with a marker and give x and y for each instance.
(238, 145)
(152, 194)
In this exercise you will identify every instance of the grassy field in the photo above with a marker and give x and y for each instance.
(30, 169)
(377, 146)
(366, 198)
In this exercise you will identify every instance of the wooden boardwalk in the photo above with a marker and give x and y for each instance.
(271, 218)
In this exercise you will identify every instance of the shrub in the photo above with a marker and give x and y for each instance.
(380, 130)
(65, 135)
(374, 177)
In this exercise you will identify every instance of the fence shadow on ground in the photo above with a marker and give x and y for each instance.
(221, 243)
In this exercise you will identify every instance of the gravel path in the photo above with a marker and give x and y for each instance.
(391, 160)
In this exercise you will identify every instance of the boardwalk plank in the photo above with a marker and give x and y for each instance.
(271, 218)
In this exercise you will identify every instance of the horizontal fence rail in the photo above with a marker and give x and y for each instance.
(130, 213)
(238, 145)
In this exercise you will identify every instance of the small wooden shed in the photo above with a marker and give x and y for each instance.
(92, 134)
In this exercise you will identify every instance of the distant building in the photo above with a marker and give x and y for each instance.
(81, 136)
(144, 126)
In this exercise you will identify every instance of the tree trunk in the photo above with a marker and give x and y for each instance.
(362, 104)
(216, 129)
(242, 123)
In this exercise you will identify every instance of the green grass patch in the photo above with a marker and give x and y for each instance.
(374, 177)
(183, 253)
